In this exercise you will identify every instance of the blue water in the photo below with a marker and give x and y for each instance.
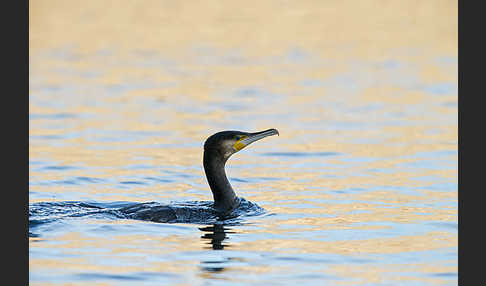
(359, 188)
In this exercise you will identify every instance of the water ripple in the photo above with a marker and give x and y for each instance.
(301, 154)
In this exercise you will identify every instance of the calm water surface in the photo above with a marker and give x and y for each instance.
(360, 188)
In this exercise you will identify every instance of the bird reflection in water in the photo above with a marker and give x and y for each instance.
(215, 234)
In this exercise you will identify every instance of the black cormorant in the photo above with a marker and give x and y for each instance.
(217, 150)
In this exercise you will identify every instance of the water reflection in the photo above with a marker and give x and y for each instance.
(366, 169)
(215, 235)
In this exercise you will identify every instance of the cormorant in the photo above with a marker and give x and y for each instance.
(218, 148)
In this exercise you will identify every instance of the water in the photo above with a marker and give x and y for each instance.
(360, 188)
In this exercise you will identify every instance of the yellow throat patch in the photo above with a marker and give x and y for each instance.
(238, 144)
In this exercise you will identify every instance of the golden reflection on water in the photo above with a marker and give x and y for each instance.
(375, 274)
(169, 72)
(343, 28)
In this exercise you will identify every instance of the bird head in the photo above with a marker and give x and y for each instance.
(226, 143)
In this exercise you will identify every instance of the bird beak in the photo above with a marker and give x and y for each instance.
(252, 137)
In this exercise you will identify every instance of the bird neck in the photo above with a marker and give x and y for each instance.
(225, 199)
